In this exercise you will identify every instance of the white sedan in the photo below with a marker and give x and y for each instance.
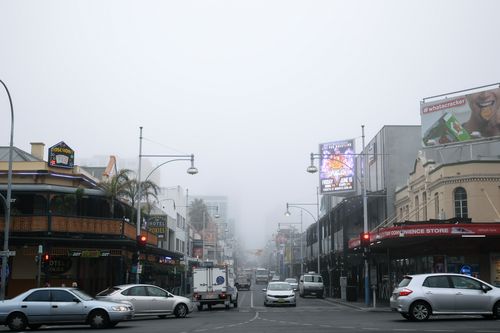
(279, 293)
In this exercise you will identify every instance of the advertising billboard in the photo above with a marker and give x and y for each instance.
(337, 167)
(461, 118)
(61, 156)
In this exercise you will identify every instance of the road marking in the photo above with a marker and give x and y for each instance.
(439, 330)
(251, 299)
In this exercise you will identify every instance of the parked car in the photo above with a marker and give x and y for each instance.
(58, 306)
(293, 283)
(279, 293)
(311, 284)
(417, 297)
(149, 300)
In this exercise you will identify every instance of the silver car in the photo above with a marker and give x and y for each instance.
(56, 306)
(279, 293)
(149, 300)
(419, 296)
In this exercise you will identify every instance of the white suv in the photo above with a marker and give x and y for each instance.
(311, 284)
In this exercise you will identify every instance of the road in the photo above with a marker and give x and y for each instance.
(310, 315)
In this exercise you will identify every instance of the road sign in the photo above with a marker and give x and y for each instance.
(7, 253)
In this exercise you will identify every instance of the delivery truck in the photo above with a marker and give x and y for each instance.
(214, 285)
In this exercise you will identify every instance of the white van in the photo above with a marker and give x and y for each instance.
(311, 284)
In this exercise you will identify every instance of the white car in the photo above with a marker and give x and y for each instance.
(279, 293)
(61, 306)
(148, 300)
(419, 296)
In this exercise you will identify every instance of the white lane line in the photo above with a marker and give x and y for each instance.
(251, 299)
(370, 328)
(404, 329)
(439, 330)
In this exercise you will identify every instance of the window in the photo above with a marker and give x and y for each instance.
(38, 296)
(436, 205)
(153, 291)
(460, 197)
(62, 296)
(135, 291)
(417, 208)
(437, 282)
(462, 282)
(424, 205)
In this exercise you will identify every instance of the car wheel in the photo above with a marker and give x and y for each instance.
(496, 310)
(17, 322)
(98, 319)
(420, 311)
(405, 316)
(181, 310)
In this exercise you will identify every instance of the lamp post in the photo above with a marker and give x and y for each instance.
(8, 199)
(191, 170)
(313, 169)
(297, 205)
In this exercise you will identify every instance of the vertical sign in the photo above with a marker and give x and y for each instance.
(337, 167)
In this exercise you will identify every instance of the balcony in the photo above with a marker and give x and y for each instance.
(75, 225)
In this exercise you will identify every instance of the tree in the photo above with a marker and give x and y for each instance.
(149, 190)
(116, 187)
(197, 209)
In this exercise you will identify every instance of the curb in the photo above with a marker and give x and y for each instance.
(357, 307)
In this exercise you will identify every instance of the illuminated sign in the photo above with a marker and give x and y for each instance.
(337, 167)
(61, 156)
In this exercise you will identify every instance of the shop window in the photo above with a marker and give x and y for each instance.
(460, 198)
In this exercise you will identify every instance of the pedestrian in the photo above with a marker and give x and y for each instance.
(74, 284)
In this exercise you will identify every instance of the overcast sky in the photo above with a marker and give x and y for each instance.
(250, 87)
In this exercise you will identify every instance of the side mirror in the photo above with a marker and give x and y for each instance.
(76, 300)
(302, 281)
(485, 288)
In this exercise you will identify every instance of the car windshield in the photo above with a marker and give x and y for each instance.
(291, 280)
(82, 295)
(278, 286)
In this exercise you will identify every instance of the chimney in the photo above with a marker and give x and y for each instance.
(37, 149)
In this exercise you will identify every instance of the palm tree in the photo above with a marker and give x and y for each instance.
(149, 190)
(116, 187)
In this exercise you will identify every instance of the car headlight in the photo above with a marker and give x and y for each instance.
(120, 308)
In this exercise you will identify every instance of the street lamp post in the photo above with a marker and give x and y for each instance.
(191, 170)
(5, 252)
(313, 169)
(297, 205)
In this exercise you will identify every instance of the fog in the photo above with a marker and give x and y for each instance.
(249, 87)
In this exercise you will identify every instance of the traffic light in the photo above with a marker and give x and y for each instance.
(364, 238)
(45, 258)
(142, 240)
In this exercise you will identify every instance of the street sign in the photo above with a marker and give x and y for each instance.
(7, 253)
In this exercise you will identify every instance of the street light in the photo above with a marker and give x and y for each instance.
(5, 252)
(313, 169)
(297, 205)
(191, 170)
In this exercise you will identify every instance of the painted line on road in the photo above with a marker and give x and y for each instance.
(439, 330)
(251, 299)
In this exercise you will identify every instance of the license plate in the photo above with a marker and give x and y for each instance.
(211, 296)
(281, 300)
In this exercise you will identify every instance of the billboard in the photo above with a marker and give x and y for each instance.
(461, 118)
(337, 167)
(61, 156)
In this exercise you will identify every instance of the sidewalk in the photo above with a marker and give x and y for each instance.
(381, 306)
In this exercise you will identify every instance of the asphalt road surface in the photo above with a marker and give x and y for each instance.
(310, 315)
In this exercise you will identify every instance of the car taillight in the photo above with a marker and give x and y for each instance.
(222, 295)
(405, 292)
